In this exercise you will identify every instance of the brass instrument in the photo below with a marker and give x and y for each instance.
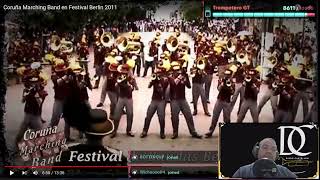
(122, 43)
(273, 60)
(154, 77)
(172, 43)
(201, 63)
(193, 71)
(231, 46)
(107, 39)
(295, 162)
(242, 57)
(134, 47)
(228, 82)
(55, 43)
(66, 46)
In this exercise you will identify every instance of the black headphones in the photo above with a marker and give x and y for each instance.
(255, 151)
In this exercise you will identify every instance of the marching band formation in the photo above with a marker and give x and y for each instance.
(231, 56)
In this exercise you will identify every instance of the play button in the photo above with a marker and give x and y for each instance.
(11, 172)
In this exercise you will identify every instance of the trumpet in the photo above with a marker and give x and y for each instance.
(248, 78)
(227, 82)
(193, 72)
(121, 78)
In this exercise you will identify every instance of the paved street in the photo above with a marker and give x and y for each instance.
(141, 98)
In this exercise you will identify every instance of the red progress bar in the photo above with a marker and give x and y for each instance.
(311, 14)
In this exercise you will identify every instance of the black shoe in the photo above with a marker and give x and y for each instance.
(195, 113)
(174, 136)
(191, 102)
(130, 134)
(99, 105)
(162, 136)
(208, 134)
(207, 114)
(43, 121)
(196, 135)
(113, 135)
(143, 135)
(208, 101)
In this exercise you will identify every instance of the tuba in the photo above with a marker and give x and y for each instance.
(172, 43)
(107, 39)
(122, 43)
(55, 43)
(66, 46)
(231, 46)
(242, 57)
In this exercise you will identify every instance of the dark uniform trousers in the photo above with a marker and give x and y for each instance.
(282, 116)
(176, 107)
(167, 94)
(113, 96)
(273, 100)
(123, 102)
(207, 85)
(246, 105)
(238, 90)
(56, 115)
(103, 91)
(137, 65)
(148, 64)
(218, 107)
(300, 96)
(159, 106)
(198, 90)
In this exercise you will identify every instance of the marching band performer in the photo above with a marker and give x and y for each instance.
(178, 81)
(301, 86)
(210, 68)
(239, 78)
(198, 75)
(286, 92)
(83, 52)
(226, 89)
(153, 55)
(251, 89)
(126, 85)
(313, 113)
(110, 59)
(61, 86)
(158, 103)
(99, 53)
(269, 94)
(137, 39)
(110, 88)
(33, 97)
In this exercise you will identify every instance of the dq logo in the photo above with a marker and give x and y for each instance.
(292, 149)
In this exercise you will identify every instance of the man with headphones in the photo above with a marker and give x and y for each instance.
(266, 154)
